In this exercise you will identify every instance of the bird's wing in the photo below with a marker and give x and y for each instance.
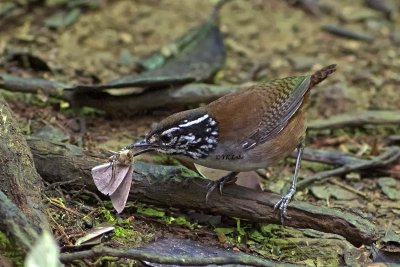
(281, 100)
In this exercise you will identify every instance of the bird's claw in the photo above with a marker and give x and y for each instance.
(282, 204)
(211, 186)
(230, 178)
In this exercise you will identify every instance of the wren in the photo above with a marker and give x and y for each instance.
(242, 131)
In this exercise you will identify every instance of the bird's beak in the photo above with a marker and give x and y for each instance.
(141, 144)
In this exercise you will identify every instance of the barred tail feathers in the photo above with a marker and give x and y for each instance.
(321, 75)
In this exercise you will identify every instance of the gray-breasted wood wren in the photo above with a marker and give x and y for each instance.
(245, 130)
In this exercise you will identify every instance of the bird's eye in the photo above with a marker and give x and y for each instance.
(166, 138)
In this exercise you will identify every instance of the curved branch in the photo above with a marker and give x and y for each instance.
(141, 255)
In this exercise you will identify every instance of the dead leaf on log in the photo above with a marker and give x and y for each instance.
(198, 61)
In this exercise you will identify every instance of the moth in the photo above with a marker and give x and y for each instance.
(115, 178)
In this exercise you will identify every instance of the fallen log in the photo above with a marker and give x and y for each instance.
(175, 186)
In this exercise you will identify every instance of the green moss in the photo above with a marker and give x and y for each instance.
(107, 215)
(161, 214)
(180, 220)
(129, 235)
(122, 232)
(151, 212)
(11, 251)
(4, 242)
(185, 172)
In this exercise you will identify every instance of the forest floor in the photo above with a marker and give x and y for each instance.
(263, 40)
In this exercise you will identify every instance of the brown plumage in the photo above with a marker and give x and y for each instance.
(244, 130)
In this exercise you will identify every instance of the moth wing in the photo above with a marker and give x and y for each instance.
(120, 196)
(102, 176)
(108, 177)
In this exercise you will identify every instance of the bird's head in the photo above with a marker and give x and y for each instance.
(189, 133)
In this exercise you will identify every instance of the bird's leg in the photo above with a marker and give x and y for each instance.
(227, 179)
(284, 201)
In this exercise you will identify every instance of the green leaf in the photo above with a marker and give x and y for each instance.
(390, 187)
(188, 39)
(256, 235)
(327, 191)
(224, 231)
(269, 229)
(198, 61)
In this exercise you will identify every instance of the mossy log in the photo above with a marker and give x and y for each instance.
(174, 186)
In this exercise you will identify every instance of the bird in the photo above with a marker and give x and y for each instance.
(245, 130)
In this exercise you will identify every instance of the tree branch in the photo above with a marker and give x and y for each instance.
(357, 119)
(141, 255)
(389, 156)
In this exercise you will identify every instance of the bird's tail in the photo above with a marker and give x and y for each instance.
(321, 75)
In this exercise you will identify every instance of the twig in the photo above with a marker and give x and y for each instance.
(59, 229)
(342, 32)
(357, 119)
(381, 6)
(93, 195)
(55, 203)
(61, 183)
(328, 157)
(141, 255)
(216, 10)
(390, 155)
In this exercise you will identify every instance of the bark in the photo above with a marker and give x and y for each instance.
(19, 180)
(21, 187)
(174, 186)
(16, 224)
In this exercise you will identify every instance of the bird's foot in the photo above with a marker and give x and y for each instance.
(227, 179)
(282, 204)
